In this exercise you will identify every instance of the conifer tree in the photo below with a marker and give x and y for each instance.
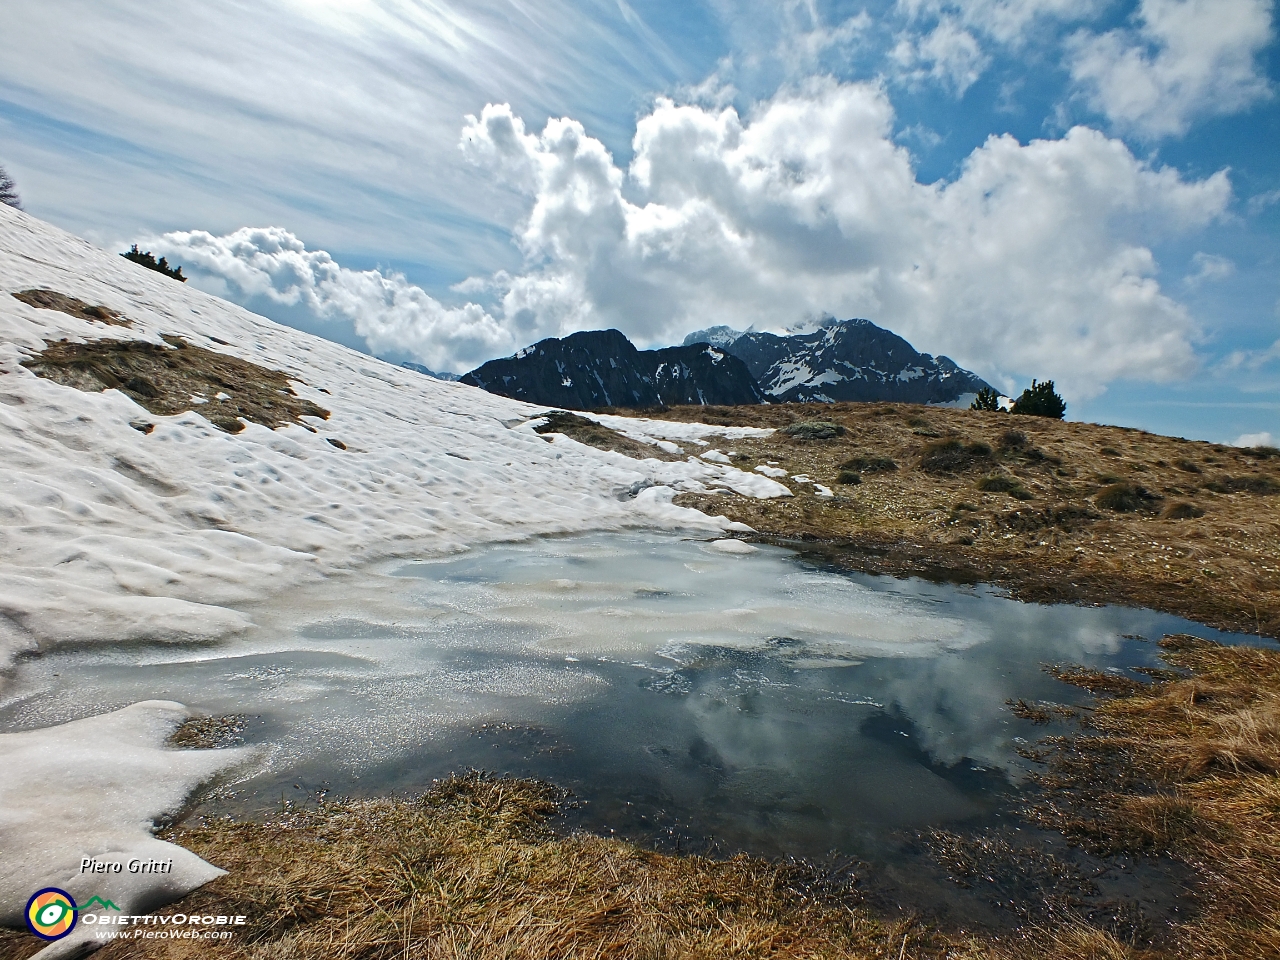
(9, 191)
(144, 258)
(987, 399)
(1040, 400)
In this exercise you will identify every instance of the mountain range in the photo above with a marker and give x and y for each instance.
(843, 360)
(602, 368)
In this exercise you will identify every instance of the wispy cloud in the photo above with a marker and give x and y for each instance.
(948, 54)
(339, 118)
(1208, 268)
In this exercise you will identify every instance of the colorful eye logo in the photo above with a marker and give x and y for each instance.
(51, 913)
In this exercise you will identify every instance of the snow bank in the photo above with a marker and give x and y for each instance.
(92, 789)
(650, 431)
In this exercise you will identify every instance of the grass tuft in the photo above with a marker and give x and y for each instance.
(813, 430)
(952, 455)
(1124, 497)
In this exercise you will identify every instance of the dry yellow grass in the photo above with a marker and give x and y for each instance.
(473, 871)
(1198, 533)
(1188, 767)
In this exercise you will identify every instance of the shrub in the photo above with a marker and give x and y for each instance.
(1040, 400)
(997, 483)
(813, 430)
(1256, 483)
(868, 464)
(151, 263)
(1003, 483)
(1012, 440)
(848, 477)
(1181, 510)
(945, 456)
(1124, 497)
(9, 191)
(987, 399)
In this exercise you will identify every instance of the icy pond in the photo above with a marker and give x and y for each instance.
(677, 687)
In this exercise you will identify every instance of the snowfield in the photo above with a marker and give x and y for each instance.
(112, 535)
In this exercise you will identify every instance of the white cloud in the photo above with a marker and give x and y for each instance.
(1184, 59)
(1259, 202)
(948, 54)
(1034, 261)
(1007, 21)
(388, 311)
(338, 118)
(1263, 439)
(1208, 268)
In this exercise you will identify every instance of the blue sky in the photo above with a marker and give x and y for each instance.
(1082, 190)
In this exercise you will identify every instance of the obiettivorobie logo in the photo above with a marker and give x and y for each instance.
(52, 913)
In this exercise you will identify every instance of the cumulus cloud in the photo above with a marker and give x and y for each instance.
(1183, 59)
(948, 54)
(1263, 439)
(1033, 261)
(388, 311)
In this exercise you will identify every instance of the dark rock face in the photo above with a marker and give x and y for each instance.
(602, 368)
(844, 360)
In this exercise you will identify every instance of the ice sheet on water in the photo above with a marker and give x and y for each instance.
(368, 665)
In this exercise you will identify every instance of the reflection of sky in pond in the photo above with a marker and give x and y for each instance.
(777, 706)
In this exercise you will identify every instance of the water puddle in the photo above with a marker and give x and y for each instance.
(679, 690)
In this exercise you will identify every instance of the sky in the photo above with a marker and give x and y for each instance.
(1086, 191)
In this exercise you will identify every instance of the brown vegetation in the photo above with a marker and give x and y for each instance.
(52, 300)
(473, 870)
(176, 378)
(1185, 767)
(1054, 511)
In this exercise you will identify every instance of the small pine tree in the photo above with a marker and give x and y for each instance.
(151, 263)
(987, 399)
(1040, 400)
(9, 191)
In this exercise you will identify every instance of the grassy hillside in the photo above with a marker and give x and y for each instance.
(1055, 511)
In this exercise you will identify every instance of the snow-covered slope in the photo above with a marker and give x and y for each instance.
(114, 535)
